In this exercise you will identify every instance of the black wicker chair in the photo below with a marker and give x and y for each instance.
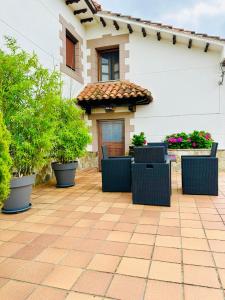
(151, 177)
(159, 144)
(149, 154)
(116, 173)
(151, 184)
(200, 174)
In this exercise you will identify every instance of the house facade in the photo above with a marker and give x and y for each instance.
(129, 75)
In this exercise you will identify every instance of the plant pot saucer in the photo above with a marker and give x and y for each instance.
(12, 211)
(64, 186)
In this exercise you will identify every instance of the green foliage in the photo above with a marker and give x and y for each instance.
(201, 140)
(72, 135)
(29, 96)
(139, 139)
(5, 162)
(194, 140)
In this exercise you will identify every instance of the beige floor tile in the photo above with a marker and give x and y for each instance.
(161, 290)
(8, 249)
(47, 293)
(129, 227)
(165, 271)
(219, 259)
(98, 234)
(169, 230)
(197, 293)
(113, 248)
(77, 259)
(25, 237)
(167, 254)
(139, 251)
(10, 266)
(77, 232)
(144, 239)
(201, 258)
(16, 290)
(119, 236)
(193, 233)
(104, 263)
(51, 255)
(203, 276)
(33, 272)
(79, 296)
(216, 234)
(168, 241)
(222, 277)
(110, 217)
(126, 288)
(195, 244)
(217, 246)
(62, 277)
(92, 282)
(133, 267)
(8, 235)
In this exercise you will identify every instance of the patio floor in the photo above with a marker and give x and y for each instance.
(80, 243)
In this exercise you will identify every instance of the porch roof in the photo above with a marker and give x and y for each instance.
(114, 92)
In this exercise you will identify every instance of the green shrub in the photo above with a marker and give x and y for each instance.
(139, 139)
(29, 97)
(201, 140)
(194, 140)
(72, 135)
(5, 162)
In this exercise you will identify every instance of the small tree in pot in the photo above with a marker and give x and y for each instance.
(5, 162)
(71, 140)
(29, 96)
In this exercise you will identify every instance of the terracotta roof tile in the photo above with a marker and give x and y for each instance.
(113, 90)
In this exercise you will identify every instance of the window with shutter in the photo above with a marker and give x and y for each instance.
(70, 50)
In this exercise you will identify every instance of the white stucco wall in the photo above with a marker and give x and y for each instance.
(184, 84)
(35, 25)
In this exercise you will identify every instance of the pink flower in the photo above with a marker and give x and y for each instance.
(145, 142)
(194, 145)
(180, 140)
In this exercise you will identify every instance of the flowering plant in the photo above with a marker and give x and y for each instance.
(194, 140)
(139, 139)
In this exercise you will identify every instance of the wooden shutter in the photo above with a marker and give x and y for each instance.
(70, 53)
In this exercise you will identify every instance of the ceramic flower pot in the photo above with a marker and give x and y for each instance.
(65, 174)
(20, 195)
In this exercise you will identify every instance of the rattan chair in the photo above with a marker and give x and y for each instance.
(151, 177)
(200, 174)
(116, 173)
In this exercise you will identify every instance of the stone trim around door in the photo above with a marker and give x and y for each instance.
(106, 42)
(78, 73)
(129, 129)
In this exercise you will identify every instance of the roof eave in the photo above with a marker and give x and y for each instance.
(141, 24)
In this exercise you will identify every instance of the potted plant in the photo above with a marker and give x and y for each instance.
(71, 140)
(29, 97)
(5, 162)
(138, 140)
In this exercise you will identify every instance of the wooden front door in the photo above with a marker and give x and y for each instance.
(112, 134)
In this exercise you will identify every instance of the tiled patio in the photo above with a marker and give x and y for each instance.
(81, 244)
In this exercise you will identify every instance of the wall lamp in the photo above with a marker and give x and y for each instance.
(222, 66)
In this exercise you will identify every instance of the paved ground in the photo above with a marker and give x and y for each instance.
(81, 244)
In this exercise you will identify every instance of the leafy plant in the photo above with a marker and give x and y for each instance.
(72, 135)
(139, 139)
(5, 162)
(29, 97)
(201, 139)
(194, 140)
